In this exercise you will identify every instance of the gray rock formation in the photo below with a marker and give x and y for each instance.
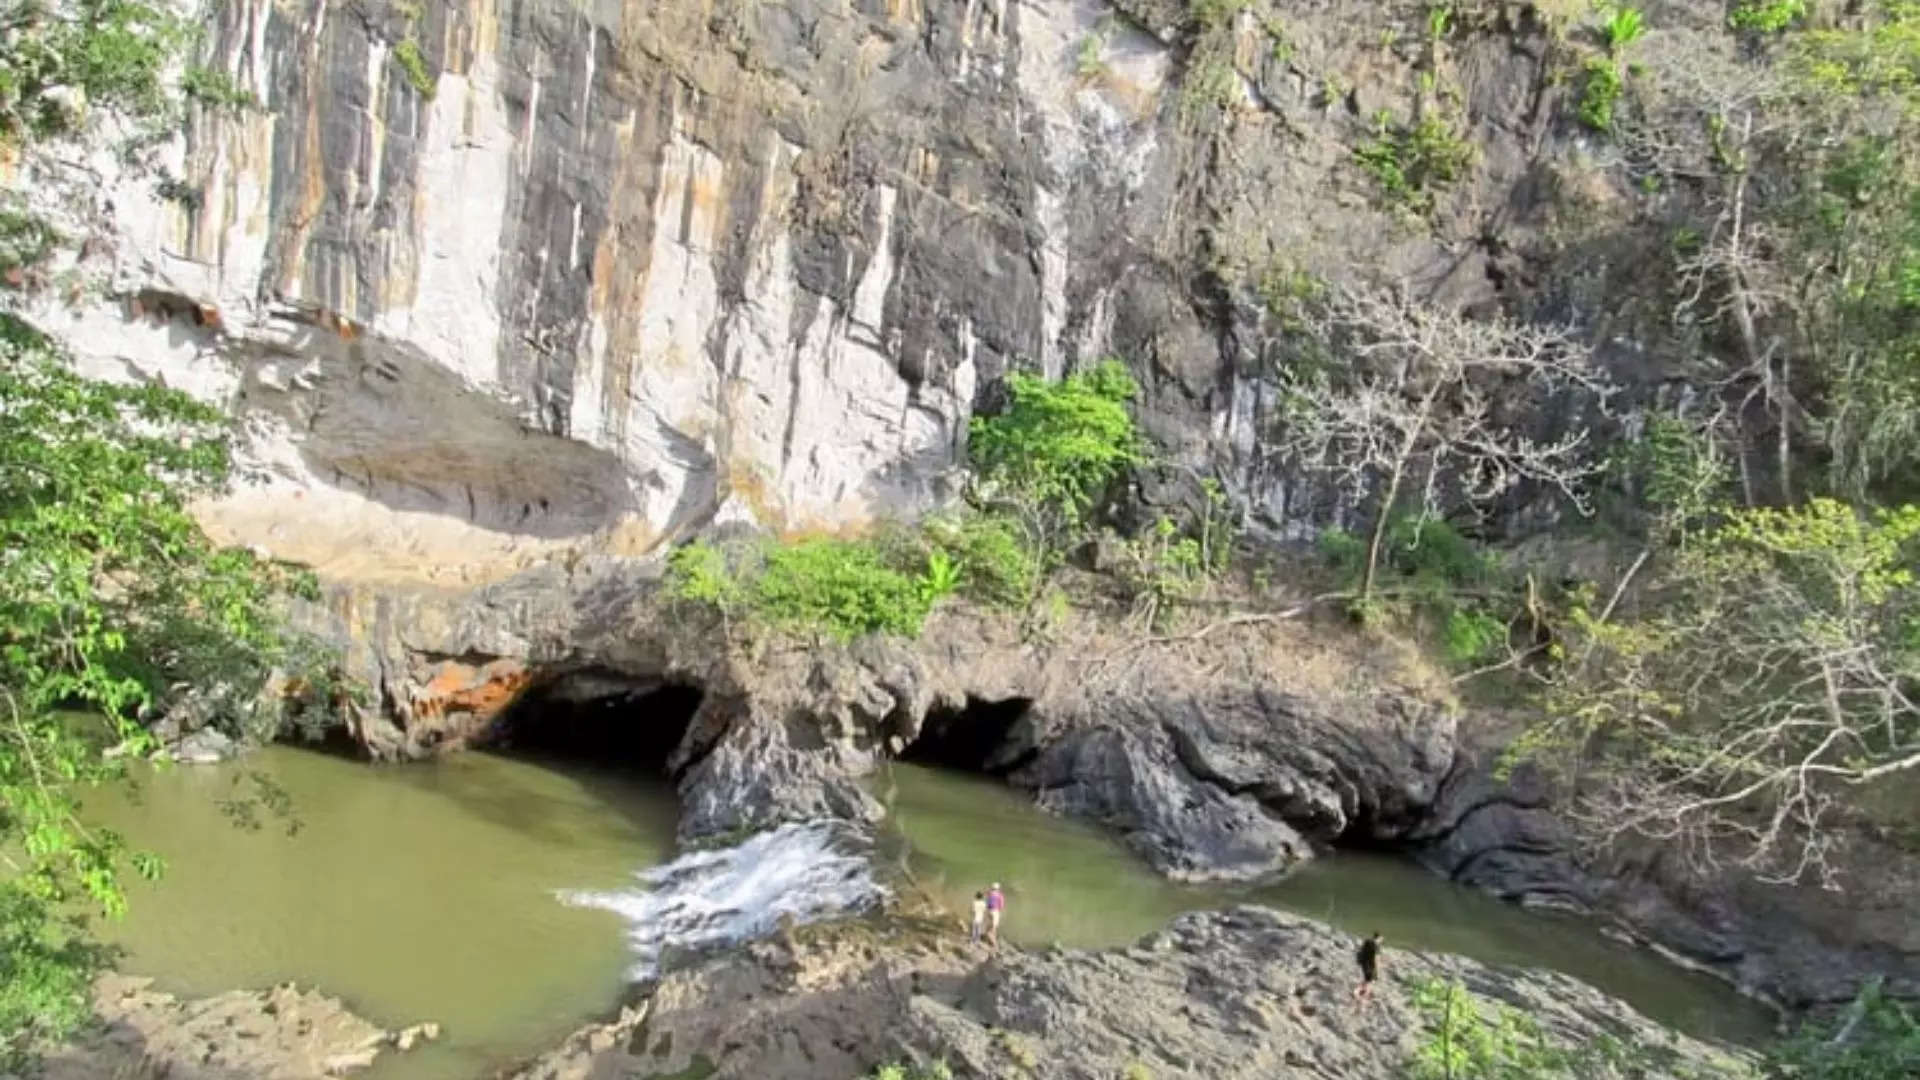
(284, 1034)
(1229, 765)
(208, 746)
(1243, 993)
(1228, 762)
(1780, 943)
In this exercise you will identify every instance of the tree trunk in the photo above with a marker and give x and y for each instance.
(1392, 494)
(1380, 516)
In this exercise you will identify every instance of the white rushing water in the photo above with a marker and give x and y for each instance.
(709, 899)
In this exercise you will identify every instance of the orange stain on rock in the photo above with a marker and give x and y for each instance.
(463, 699)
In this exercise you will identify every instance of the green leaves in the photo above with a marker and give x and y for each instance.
(98, 52)
(110, 596)
(1041, 468)
(846, 588)
(1770, 669)
(841, 586)
(1878, 1039)
(1623, 27)
(1767, 16)
(1059, 444)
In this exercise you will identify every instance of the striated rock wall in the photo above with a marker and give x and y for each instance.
(634, 267)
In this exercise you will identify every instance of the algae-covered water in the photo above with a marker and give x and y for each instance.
(510, 900)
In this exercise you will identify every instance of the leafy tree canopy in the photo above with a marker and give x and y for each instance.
(110, 597)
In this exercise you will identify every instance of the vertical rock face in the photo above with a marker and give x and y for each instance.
(627, 269)
(493, 281)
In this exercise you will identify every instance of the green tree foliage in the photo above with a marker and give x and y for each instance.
(847, 588)
(936, 1070)
(109, 597)
(1624, 25)
(1411, 161)
(215, 89)
(1800, 153)
(1878, 1038)
(1041, 468)
(1770, 675)
(1432, 571)
(406, 53)
(1767, 16)
(1463, 1040)
(1462, 1044)
(1600, 93)
(844, 588)
(995, 566)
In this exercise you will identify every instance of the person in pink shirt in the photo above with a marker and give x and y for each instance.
(996, 905)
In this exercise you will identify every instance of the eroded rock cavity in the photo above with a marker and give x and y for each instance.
(981, 736)
(599, 716)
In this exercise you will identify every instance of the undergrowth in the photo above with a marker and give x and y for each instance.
(1434, 576)
(1412, 161)
(1043, 468)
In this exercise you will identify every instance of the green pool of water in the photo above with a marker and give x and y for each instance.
(412, 892)
(1074, 884)
(428, 893)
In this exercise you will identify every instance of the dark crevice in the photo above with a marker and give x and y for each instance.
(602, 718)
(979, 737)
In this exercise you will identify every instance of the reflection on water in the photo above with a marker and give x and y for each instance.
(414, 893)
(1071, 883)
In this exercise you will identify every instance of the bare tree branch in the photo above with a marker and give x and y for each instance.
(1415, 385)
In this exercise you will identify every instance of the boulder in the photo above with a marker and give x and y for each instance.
(284, 1033)
(208, 746)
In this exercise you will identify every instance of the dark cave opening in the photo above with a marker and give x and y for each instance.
(601, 718)
(978, 737)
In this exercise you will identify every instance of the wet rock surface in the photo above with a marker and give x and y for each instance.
(280, 1034)
(1242, 993)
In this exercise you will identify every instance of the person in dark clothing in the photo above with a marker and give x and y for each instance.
(1368, 956)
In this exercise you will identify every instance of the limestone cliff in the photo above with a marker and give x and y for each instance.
(614, 271)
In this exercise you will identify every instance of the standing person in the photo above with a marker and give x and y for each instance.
(1368, 957)
(996, 905)
(979, 916)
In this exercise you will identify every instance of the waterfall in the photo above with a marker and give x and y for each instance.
(711, 899)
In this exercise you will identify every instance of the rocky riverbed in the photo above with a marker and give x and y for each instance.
(1246, 993)
(284, 1033)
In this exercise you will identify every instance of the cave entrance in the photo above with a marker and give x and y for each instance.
(600, 718)
(981, 737)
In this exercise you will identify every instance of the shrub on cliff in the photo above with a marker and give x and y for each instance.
(60, 58)
(110, 596)
(1050, 457)
(844, 588)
